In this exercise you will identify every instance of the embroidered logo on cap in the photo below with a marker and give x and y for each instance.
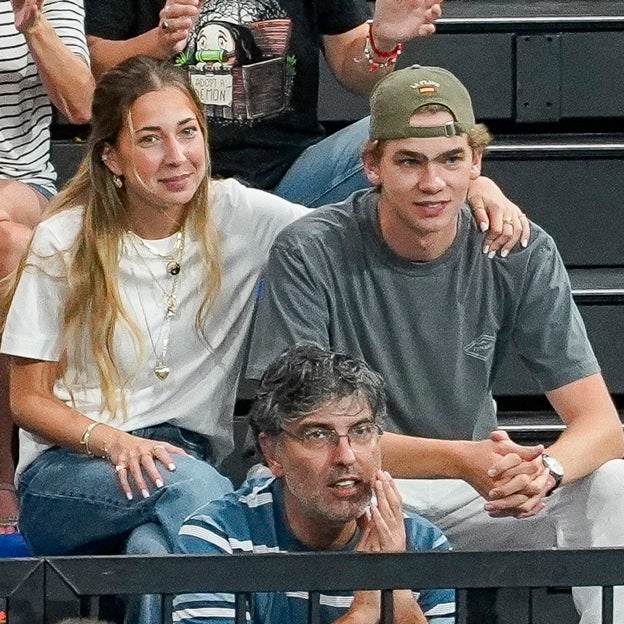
(425, 87)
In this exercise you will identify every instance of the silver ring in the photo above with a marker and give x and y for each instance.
(164, 25)
(120, 467)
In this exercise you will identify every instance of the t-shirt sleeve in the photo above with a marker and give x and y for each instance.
(438, 605)
(67, 18)
(292, 308)
(549, 333)
(336, 17)
(34, 322)
(201, 535)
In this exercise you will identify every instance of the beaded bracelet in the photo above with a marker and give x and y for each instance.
(373, 53)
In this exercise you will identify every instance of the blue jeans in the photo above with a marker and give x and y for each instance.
(328, 171)
(72, 504)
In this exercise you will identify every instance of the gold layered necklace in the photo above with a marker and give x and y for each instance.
(173, 262)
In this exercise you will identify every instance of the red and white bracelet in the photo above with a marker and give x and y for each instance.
(373, 53)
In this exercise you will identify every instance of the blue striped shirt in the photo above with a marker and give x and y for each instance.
(249, 520)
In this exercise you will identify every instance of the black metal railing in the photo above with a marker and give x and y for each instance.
(45, 590)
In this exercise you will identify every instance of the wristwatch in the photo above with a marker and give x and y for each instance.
(556, 470)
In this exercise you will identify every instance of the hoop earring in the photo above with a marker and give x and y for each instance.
(117, 181)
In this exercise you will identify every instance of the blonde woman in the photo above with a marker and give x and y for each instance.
(125, 324)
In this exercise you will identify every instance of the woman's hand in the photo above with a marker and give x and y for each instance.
(135, 458)
(503, 221)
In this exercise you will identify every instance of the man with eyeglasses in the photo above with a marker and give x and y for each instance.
(316, 424)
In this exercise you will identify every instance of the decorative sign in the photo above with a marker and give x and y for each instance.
(213, 89)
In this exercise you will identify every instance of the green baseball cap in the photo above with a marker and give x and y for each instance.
(400, 94)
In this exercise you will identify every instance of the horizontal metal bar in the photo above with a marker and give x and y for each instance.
(581, 292)
(340, 571)
(551, 147)
(536, 428)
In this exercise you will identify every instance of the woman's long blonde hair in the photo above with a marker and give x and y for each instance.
(93, 306)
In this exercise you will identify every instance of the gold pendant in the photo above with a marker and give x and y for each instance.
(162, 372)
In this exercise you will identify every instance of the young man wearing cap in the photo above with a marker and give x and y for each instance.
(316, 421)
(393, 275)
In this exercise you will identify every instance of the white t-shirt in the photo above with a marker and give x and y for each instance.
(200, 391)
(25, 110)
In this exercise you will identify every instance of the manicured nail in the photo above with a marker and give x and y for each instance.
(486, 248)
(145, 493)
(129, 495)
(524, 242)
(491, 254)
(491, 472)
(484, 226)
(504, 253)
(171, 467)
(159, 483)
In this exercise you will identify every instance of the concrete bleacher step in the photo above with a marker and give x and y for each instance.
(534, 427)
(605, 328)
(523, 62)
(572, 186)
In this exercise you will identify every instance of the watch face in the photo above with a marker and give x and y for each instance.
(553, 465)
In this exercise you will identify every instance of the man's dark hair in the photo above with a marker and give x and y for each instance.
(306, 377)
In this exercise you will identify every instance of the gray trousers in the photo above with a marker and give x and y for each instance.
(583, 514)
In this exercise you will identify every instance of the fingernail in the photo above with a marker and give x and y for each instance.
(159, 483)
(504, 253)
(491, 254)
(491, 472)
(171, 467)
(145, 493)
(486, 248)
(488, 507)
(484, 226)
(524, 242)
(129, 495)
(388, 476)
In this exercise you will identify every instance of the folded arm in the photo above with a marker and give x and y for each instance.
(37, 410)
(65, 75)
(592, 437)
(161, 43)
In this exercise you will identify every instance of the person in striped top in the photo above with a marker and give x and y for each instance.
(44, 60)
(316, 423)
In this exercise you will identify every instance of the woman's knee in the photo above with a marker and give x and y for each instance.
(198, 478)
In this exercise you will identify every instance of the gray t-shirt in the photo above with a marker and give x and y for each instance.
(437, 331)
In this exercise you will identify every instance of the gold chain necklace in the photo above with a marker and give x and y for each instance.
(174, 259)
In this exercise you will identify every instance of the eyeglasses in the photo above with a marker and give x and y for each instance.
(361, 436)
